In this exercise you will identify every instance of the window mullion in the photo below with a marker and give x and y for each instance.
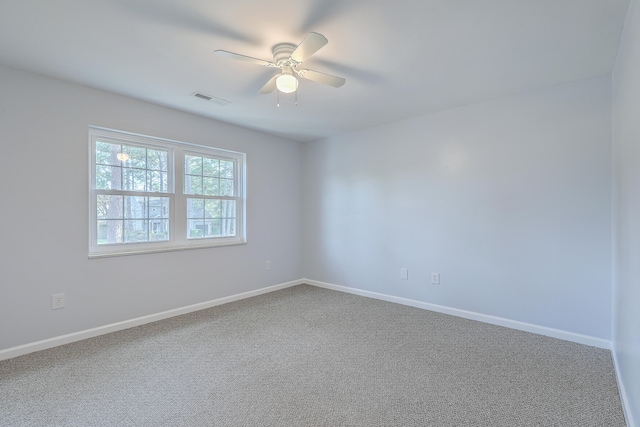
(180, 205)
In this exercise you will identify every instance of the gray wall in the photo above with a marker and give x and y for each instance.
(509, 200)
(44, 196)
(626, 143)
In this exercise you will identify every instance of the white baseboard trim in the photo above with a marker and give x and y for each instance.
(626, 405)
(500, 321)
(90, 333)
(94, 332)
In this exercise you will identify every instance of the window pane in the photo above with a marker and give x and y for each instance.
(195, 208)
(109, 231)
(188, 186)
(193, 165)
(212, 208)
(108, 177)
(134, 179)
(228, 228)
(157, 159)
(226, 187)
(210, 167)
(214, 228)
(228, 209)
(136, 231)
(106, 154)
(210, 186)
(137, 156)
(196, 229)
(226, 169)
(158, 207)
(158, 229)
(109, 206)
(135, 207)
(157, 181)
(192, 184)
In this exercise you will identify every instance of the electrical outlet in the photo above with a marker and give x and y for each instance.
(435, 278)
(267, 265)
(57, 301)
(404, 274)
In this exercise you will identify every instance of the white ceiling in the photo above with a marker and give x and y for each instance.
(401, 58)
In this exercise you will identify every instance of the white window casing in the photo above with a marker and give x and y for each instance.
(143, 197)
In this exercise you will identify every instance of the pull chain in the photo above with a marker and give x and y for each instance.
(278, 97)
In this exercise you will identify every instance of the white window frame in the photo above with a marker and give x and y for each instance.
(178, 229)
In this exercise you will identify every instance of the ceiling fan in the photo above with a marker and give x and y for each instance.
(287, 57)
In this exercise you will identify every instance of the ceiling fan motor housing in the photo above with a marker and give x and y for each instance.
(282, 54)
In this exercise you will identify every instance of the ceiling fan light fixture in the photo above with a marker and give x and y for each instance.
(286, 58)
(123, 157)
(287, 83)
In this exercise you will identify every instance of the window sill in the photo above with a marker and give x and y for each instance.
(172, 248)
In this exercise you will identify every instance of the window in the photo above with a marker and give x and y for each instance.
(213, 212)
(150, 194)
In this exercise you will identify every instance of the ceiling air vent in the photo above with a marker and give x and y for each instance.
(210, 98)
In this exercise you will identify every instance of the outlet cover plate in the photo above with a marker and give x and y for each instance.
(435, 278)
(57, 301)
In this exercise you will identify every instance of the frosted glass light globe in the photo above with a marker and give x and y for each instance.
(287, 83)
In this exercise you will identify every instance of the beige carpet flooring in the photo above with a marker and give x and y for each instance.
(307, 356)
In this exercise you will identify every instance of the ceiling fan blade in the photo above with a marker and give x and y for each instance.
(323, 78)
(243, 58)
(308, 46)
(270, 86)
